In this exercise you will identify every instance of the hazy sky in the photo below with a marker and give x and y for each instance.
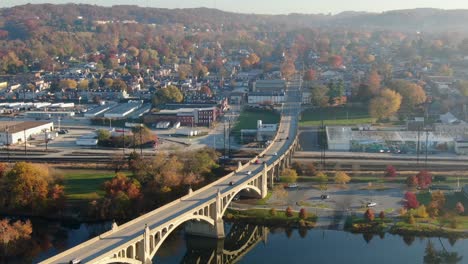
(270, 6)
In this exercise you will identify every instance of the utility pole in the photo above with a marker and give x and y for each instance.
(224, 139)
(418, 146)
(7, 129)
(45, 138)
(25, 142)
(229, 139)
(427, 147)
(123, 140)
(141, 141)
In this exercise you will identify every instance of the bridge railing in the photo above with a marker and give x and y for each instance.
(158, 210)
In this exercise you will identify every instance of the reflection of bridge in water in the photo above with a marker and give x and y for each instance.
(241, 239)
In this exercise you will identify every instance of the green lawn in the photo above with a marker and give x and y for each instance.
(336, 116)
(84, 184)
(248, 119)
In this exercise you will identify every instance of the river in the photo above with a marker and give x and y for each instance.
(256, 244)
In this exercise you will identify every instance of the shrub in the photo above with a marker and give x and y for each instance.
(403, 211)
(229, 216)
(390, 171)
(460, 208)
(302, 223)
(421, 212)
(424, 179)
(382, 215)
(411, 181)
(411, 201)
(273, 212)
(289, 211)
(303, 213)
(369, 215)
(411, 220)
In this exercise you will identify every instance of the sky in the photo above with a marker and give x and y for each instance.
(270, 6)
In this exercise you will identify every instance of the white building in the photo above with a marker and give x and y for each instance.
(12, 132)
(264, 97)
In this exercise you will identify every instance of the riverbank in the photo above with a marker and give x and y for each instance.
(398, 227)
(271, 218)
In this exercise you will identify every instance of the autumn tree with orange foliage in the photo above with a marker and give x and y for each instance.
(13, 231)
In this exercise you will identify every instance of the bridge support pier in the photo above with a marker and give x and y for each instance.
(203, 229)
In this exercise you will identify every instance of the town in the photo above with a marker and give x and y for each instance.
(127, 115)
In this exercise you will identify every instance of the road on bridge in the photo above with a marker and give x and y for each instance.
(91, 252)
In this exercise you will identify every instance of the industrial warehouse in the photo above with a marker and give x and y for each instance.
(14, 132)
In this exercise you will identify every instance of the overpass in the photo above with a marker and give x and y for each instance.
(201, 211)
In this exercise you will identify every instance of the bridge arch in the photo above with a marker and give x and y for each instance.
(173, 226)
(120, 260)
(250, 187)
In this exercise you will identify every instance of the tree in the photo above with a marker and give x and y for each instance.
(310, 75)
(288, 69)
(390, 171)
(369, 215)
(459, 208)
(424, 179)
(29, 185)
(412, 94)
(411, 200)
(336, 91)
(302, 213)
(289, 175)
(421, 212)
(319, 95)
(272, 212)
(445, 70)
(463, 87)
(382, 215)
(206, 91)
(119, 85)
(184, 70)
(103, 135)
(335, 61)
(323, 180)
(169, 94)
(14, 231)
(411, 181)
(373, 82)
(385, 105)
(411, 219)
(67, 83)
(289, 211)
(341, 177)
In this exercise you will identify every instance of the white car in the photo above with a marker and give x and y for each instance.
(249, 172)
(371, 204)
(293, 185)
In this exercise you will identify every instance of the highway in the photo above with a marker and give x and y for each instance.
(92, 252)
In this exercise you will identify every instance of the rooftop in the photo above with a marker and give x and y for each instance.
(18, 126)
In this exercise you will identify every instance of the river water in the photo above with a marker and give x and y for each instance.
(256, 244)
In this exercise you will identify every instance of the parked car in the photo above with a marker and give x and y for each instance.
(371, 204)
(293, 185)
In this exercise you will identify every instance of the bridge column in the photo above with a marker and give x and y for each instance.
(278, 171)
(143, 252)
(204, 229)
(263, 181)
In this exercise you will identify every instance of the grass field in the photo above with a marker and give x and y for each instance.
(336, 116)
(84, 184)
(248, 119)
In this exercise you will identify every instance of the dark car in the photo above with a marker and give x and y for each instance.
(324, 196)
(231, 183)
